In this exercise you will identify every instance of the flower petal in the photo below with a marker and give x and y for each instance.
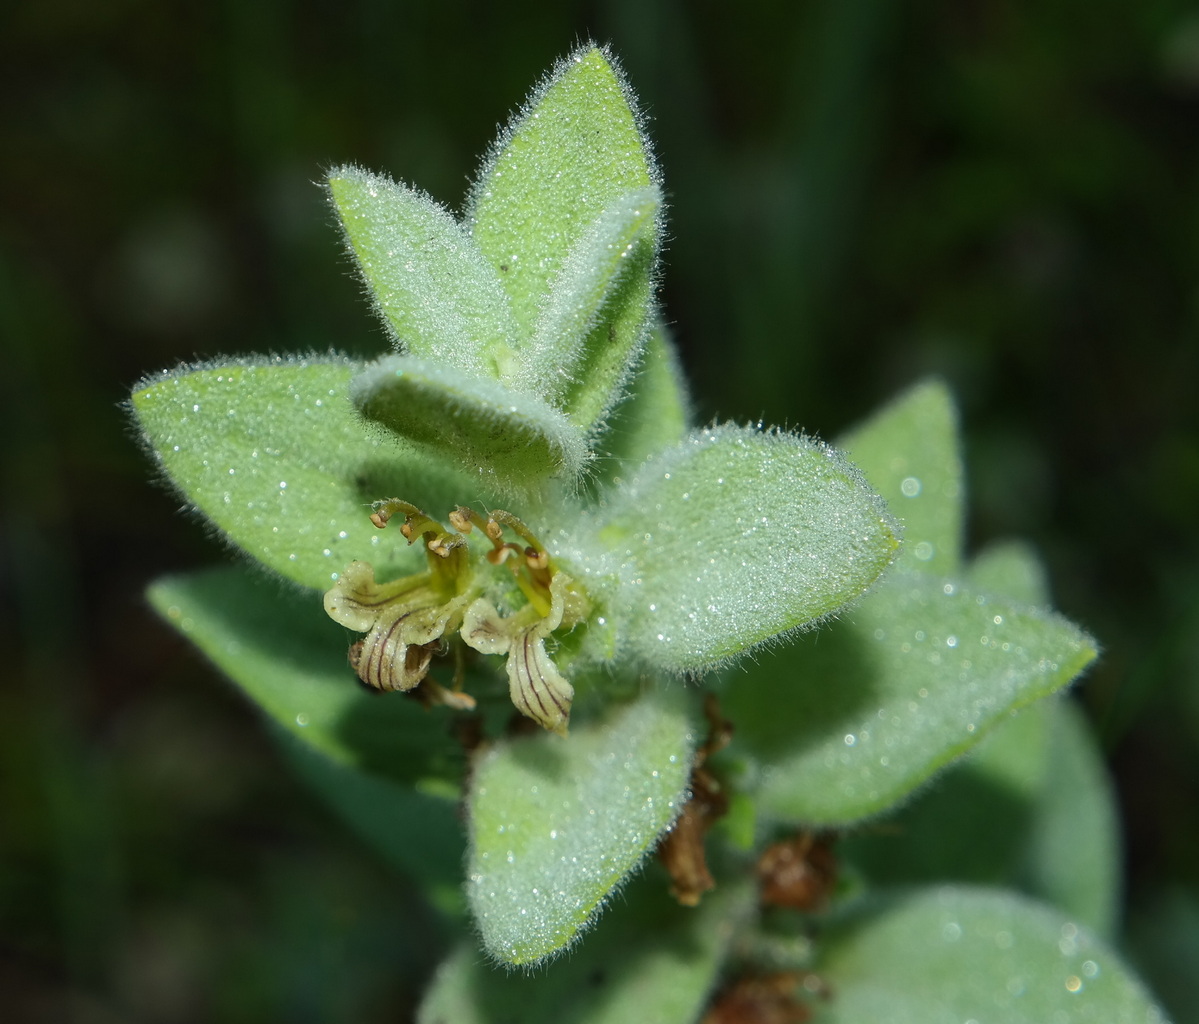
(358, 602)
(537, 688)
(484, 629)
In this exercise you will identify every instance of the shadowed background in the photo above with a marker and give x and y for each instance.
(862, 193)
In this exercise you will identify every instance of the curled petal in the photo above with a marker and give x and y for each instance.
(395, 655)
(402, 619)
(536, 686)
(484, 629)
(358, 602)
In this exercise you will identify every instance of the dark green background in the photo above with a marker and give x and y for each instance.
(862, 193)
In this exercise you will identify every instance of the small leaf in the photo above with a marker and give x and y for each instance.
(574, 150)
(434, 290)
(1010, 568)
(649, 960)
(509, 440)
(912, 677)
(594, 320)
(954, 954)
(557, 823)
(272, 452)
(1072, 846)
(735, 536)
(288, 657)
(909, 452)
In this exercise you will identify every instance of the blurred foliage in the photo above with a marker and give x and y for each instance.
(861, 193)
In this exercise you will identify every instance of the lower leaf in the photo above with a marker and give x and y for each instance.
(557, 822)
(651, 960)
(948, 955)
(852, 721)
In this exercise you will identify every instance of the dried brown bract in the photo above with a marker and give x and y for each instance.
(799, 873)
(682, 848)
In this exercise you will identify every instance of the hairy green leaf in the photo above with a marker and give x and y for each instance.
(1010, 568)
(593, 323)
(288, 657)
(853, 720)
(948, 955)
(575, 149)
(555, 823)
(387, 815)
(508, 440)
(272, 452)
(649, 960)
(1075, 800)
(735, 536)
(1012, 814)
(434, 290)
(909, 452)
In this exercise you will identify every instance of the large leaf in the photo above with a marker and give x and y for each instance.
(557, 823)
(649, 960)
(920, 669)
(271, 451)
(441, 299)
(948, 955)
(387, 815)
(1031, 808)
(851, 721)
(735, 536)
(288, 657)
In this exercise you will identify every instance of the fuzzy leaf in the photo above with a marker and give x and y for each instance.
(272, 452)
(387, 815)
(955, 954)
(288, 657)
(853, 720)
(909, 452)
(1075, 800)
(735, 536)
(594, 320)
(649, 960)
(508, 440)
(432, 287)
(557, 823)
(1010, 568)
(1031, 808)
(574, 150)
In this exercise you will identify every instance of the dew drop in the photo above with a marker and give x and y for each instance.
(911, 486)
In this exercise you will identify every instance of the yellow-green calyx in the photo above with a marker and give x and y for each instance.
(407, 621)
